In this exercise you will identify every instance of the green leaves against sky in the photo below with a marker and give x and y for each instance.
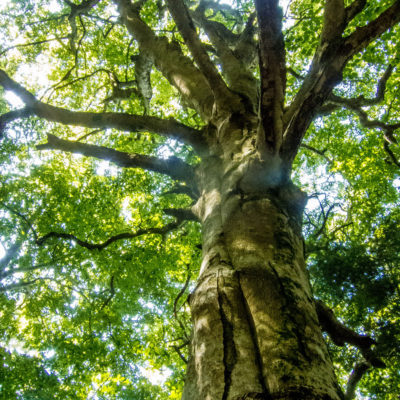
(89, 324)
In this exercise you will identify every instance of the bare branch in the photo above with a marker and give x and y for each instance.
(16, 46)
(355, 105)
(334, 101)
(111, 295)
(76, 11)
(173, 166)
(127, 122)
(272, 71)
(180, 294)
(100, 246)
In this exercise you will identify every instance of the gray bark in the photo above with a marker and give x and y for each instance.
(256, 333)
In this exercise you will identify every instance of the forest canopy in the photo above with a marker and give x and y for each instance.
(105, 120)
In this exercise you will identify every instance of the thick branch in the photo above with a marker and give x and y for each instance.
(100, 246)
(234, 66)
(341, 335)
(272, 71)
(186, 27)
(127, 122)
(325, 73)
(364, 35)
(168, 58)
(334, 20)
(173, 166)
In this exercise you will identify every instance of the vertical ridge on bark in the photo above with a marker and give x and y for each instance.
(253, 333)
(227, 334)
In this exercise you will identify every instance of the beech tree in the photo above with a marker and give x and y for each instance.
(158, 162)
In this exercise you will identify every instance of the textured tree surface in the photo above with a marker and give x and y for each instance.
(156, 170)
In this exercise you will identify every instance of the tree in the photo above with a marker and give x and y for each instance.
(214, 115)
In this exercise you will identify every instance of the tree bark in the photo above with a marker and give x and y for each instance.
(255, 329)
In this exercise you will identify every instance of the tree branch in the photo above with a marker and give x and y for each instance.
(12, 116)
(110, 296)
(341, 335)
(19, 285)
(234, 66)
(10, 272)
(358, 372)
(316, 151)
(334, 20)
(272, 71)
(180, 294)
(185, 25)
(325, 73)
(100, 246)
(364, 35)
(391, 154)
(76, 11)
(335, 101)
(183, 214)
(127, 122)
(173, 166)
(169, 59)
(354, 8)
(355, 105)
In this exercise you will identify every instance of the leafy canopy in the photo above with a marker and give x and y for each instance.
(82, 323)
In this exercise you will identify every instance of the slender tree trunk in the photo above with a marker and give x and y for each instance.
(255, 329)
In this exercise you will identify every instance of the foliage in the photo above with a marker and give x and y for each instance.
(90, 324)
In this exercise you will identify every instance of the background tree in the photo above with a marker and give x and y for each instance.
(197, 122)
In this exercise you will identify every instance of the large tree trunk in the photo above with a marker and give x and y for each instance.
(255, 329)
